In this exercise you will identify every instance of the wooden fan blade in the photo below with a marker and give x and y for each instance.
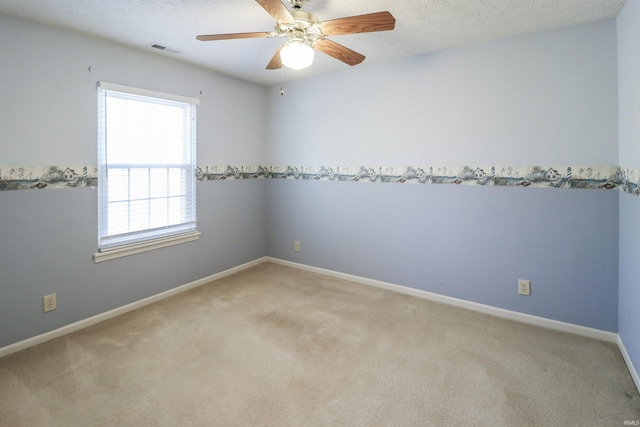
(275, 62)
(211, 37)
(339, 52)
(379, 21)
(277, 10)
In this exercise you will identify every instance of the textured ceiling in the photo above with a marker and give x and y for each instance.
(421, 26)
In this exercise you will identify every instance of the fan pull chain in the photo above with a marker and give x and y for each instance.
(281, 81)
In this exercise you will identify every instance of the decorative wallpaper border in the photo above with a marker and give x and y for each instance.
(583, 177)
(39, 177)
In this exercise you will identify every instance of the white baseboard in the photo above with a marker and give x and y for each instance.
(67, 329)
(627, 360)
(499, 312)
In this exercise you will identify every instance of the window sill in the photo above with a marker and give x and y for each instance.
(121, 251)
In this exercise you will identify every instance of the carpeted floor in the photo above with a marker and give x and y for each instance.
(276, 346)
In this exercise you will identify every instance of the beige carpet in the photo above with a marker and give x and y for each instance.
(275, 346)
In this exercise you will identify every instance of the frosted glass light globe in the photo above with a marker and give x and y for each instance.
(296, 55)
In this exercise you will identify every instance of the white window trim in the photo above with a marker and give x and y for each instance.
(106, 254)
(149, 245)
(145, 92)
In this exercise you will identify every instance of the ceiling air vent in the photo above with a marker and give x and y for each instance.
(162, 48)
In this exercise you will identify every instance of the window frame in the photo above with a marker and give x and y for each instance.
(112, 246)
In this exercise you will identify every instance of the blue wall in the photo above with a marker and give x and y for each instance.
(48, 238)
(48, 111)
(629, 306)
(629, 111)
(547, 98)
(466, 242)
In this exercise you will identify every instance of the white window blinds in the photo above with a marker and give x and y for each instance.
(146, 165)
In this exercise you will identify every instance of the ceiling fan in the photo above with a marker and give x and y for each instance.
(304, 32)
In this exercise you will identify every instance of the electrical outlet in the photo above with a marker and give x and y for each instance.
(524, 287)
(296, 246)
(50, 303)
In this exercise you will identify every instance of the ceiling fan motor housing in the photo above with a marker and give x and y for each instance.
(306, 28)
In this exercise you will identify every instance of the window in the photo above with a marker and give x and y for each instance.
(146, 170)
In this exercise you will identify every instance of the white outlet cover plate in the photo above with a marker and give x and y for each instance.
(524, 287)
(50, 302)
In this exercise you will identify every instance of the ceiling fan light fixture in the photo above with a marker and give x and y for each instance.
(296, 54)
(305, 33)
